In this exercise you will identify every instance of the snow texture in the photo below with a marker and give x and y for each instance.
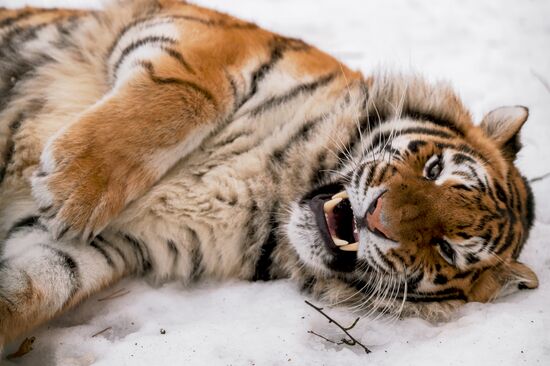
(495, 52)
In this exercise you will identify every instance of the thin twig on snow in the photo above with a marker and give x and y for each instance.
(350, 342)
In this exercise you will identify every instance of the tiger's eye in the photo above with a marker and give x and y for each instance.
(445, 250)
(434, 169)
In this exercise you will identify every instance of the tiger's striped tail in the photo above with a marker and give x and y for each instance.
(40, 278)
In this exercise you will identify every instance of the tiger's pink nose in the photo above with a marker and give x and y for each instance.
(374, 218)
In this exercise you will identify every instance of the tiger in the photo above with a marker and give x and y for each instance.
(164, 140)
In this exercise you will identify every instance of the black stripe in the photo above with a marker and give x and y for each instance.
(278, 46)
(476, 177)
(260, 73)
(440, 279)
(137, 44)
(135, 23)
(462, 187)
(156, 20)
(18, 16)
(499, 235)
(174, 252)
(179, 58)
(302, 134)
(234, 90)
(440, 121)
(115, 247)
(142, 254)
(94, 244)
(29, 110)
(65, 30)
(529, 215)
(460, 158)
(62, 233)
(514, 193)
(26, 222)
(188, 84)
(15, 72)
(379, 178)
(386, 261)
(14, 39)
(370, 176)
(510, 239)
(264, 262)
(172, 248)
(382, 137)
(462, 174)
(427, 297)
(358, 173)
(467, 149)
(471, 258)
(71, 266)
(462, 275)
(196, 256)
(393, 152)
(414, 280)
(414, 145)
(291, 94)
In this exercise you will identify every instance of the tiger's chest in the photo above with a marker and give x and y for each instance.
(232, 195)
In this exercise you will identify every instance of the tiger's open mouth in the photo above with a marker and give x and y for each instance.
(336, 223)
(339, 220)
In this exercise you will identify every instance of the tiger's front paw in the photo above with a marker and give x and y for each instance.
(81, 186)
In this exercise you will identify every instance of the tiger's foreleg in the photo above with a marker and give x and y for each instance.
(40, 278)
(121, 146)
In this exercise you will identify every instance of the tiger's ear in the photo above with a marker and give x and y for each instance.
(502, 125)
(502, 280)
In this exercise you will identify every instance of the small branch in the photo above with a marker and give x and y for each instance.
(114, 295)
(536, 179)
(325, 338)
(351, 341)
(541, 79)
(101, 331)
(353, 325)
(24, 348)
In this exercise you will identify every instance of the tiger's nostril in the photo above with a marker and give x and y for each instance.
(372, 206)
(374, 218)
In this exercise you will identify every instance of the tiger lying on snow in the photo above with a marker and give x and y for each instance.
(166, 140)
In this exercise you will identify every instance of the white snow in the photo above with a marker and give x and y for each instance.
(492, 51)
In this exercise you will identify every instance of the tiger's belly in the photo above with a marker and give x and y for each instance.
(217, 207)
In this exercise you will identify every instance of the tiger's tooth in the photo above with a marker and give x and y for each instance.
(342, 195)
(329, 205)
(339, 242)
(353, 247)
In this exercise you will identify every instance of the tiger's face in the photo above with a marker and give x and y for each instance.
(431, 211)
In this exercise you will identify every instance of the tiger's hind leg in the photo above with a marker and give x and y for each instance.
(40, 278)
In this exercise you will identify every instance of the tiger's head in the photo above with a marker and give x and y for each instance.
(429, 208)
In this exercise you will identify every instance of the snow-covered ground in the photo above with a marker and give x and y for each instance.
(494, 52)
